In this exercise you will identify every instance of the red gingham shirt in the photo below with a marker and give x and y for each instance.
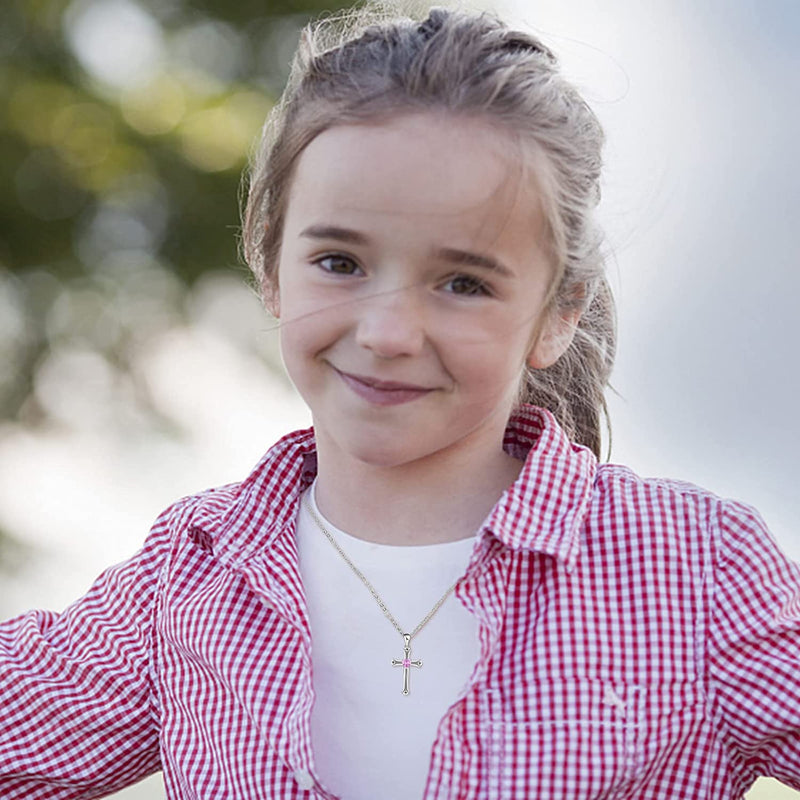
(639, 639)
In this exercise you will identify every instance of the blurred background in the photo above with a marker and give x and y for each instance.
(136, 364)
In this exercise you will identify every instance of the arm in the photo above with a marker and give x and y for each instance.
(754, 649)
(77, 709)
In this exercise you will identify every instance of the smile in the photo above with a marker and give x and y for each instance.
(382, 393)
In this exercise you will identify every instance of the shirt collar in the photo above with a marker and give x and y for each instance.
(245, 518)
(542, 510)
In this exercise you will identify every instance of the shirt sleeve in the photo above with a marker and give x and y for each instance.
(77, 709)
(754, 648)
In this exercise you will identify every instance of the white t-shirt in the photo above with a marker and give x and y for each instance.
(369, 739)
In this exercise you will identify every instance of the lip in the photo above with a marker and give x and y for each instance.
(382, 393)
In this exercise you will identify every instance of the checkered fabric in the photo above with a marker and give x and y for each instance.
(639, 639)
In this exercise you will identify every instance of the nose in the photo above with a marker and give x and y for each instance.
(391, 324)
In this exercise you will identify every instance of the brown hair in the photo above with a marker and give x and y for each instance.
(362, 66)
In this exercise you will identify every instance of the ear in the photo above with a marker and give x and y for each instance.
(269, 286)
(272, 300)
(554, 339)
(270, 293)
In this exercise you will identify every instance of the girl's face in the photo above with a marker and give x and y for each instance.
(412, 278)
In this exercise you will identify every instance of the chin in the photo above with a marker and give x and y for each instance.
(381, 457)
(382, 452)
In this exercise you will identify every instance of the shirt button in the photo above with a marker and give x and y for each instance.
(304, 779)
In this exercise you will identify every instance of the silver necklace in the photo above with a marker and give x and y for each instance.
(406, 662)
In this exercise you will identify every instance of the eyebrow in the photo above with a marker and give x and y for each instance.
(451, 254)
(470, 259)
(334, 232)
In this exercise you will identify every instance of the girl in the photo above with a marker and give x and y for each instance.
(437, 592)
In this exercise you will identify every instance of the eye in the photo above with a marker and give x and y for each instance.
(337, 264)
(467, 285)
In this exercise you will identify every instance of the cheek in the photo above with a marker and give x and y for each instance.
(299, 347)
(307, 329)
(498, 345)
(490, 367)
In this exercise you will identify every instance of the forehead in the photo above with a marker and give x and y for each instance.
(424, 166)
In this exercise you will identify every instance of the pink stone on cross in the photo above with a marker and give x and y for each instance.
(406, 663)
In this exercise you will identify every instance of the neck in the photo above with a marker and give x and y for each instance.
(440, 499)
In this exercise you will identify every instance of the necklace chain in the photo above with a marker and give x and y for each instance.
(363, 578)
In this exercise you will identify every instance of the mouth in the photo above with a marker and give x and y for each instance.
(382, 393)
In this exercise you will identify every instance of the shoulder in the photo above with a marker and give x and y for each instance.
(670, 513)
(618, 485)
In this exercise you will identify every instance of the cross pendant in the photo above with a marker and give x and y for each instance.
(406, 663)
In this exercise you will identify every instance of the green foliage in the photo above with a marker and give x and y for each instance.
(124, 129)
